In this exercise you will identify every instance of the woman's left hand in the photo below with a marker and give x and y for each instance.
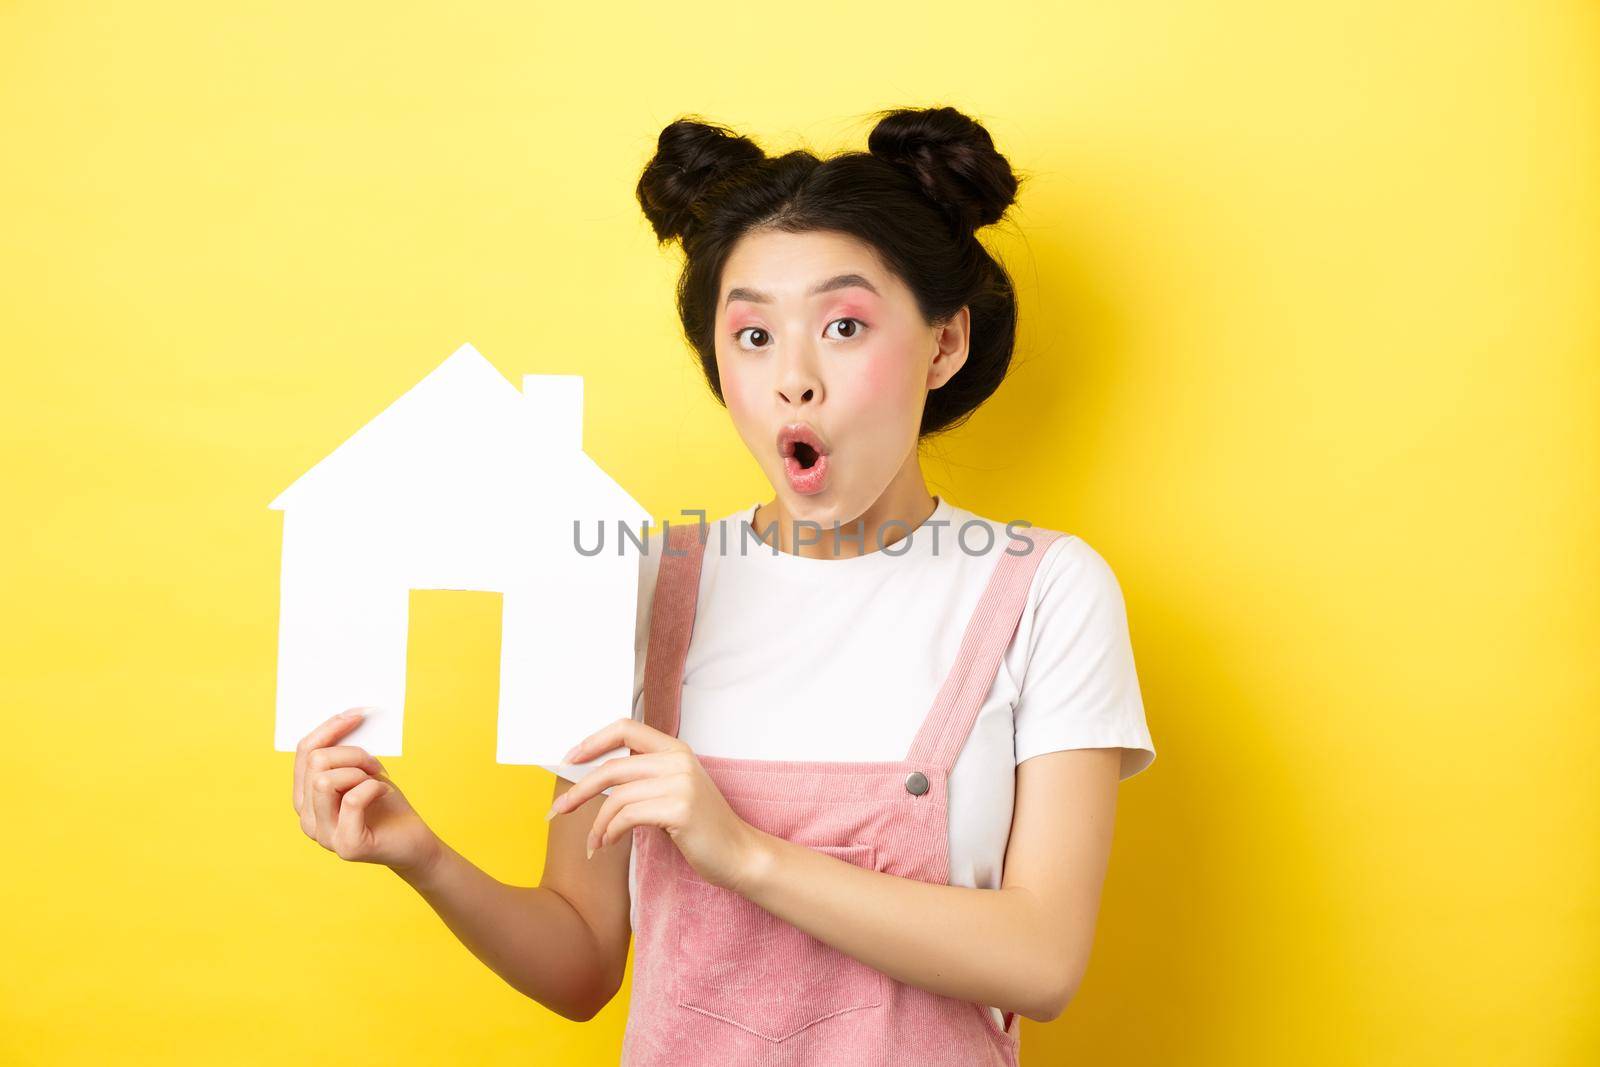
(662, 784)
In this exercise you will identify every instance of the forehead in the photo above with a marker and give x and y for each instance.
(787, 265)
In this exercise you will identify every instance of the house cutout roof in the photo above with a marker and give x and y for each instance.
(446, 434)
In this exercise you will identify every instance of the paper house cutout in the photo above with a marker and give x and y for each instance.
(462, 483)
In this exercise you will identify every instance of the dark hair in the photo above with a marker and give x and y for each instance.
(929, 180)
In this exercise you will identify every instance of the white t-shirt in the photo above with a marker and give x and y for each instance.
(855, 649)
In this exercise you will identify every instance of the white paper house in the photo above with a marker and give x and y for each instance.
(462, 483)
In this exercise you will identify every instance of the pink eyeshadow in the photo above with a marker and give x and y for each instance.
(860, 311)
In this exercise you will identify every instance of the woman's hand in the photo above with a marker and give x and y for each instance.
(662, 784)
(348, 805)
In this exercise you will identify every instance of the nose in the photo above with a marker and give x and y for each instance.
(798, 382)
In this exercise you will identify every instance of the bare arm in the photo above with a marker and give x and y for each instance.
(563, 942)
(1023, 947)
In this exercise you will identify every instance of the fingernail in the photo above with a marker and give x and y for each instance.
(550, 814)
(570, 753)
(353, 713)
(590, 855)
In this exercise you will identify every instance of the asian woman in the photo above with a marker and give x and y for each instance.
(866, 806)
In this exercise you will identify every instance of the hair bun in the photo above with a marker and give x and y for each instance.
(691, 157)
(952, 158)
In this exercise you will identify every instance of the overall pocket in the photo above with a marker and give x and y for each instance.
(739, 963)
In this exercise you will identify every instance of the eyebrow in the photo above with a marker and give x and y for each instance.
(838, 281)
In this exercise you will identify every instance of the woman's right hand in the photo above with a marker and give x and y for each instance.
(348, 804)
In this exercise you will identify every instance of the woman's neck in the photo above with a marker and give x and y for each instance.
(890, 518)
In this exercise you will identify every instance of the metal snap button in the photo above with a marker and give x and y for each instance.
(916, 783)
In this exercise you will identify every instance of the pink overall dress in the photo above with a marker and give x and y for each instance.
(720, 980)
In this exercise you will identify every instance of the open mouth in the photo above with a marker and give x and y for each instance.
(805, 458)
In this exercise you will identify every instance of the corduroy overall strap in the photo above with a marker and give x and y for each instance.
(671, 624)
(988, 635)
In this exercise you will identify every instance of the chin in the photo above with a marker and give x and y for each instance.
(805, 505)
(822, 508)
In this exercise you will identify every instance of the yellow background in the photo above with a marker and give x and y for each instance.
(1309, 354)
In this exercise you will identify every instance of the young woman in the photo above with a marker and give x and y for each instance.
(862, 809)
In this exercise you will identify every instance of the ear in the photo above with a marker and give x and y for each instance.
(951, 342)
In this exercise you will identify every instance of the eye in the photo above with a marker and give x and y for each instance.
(854, 333)
(746, 330)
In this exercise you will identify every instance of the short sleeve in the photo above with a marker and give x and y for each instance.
(1079, 688)
(649, 567)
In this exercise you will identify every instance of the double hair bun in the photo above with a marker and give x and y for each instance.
(948, 156)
